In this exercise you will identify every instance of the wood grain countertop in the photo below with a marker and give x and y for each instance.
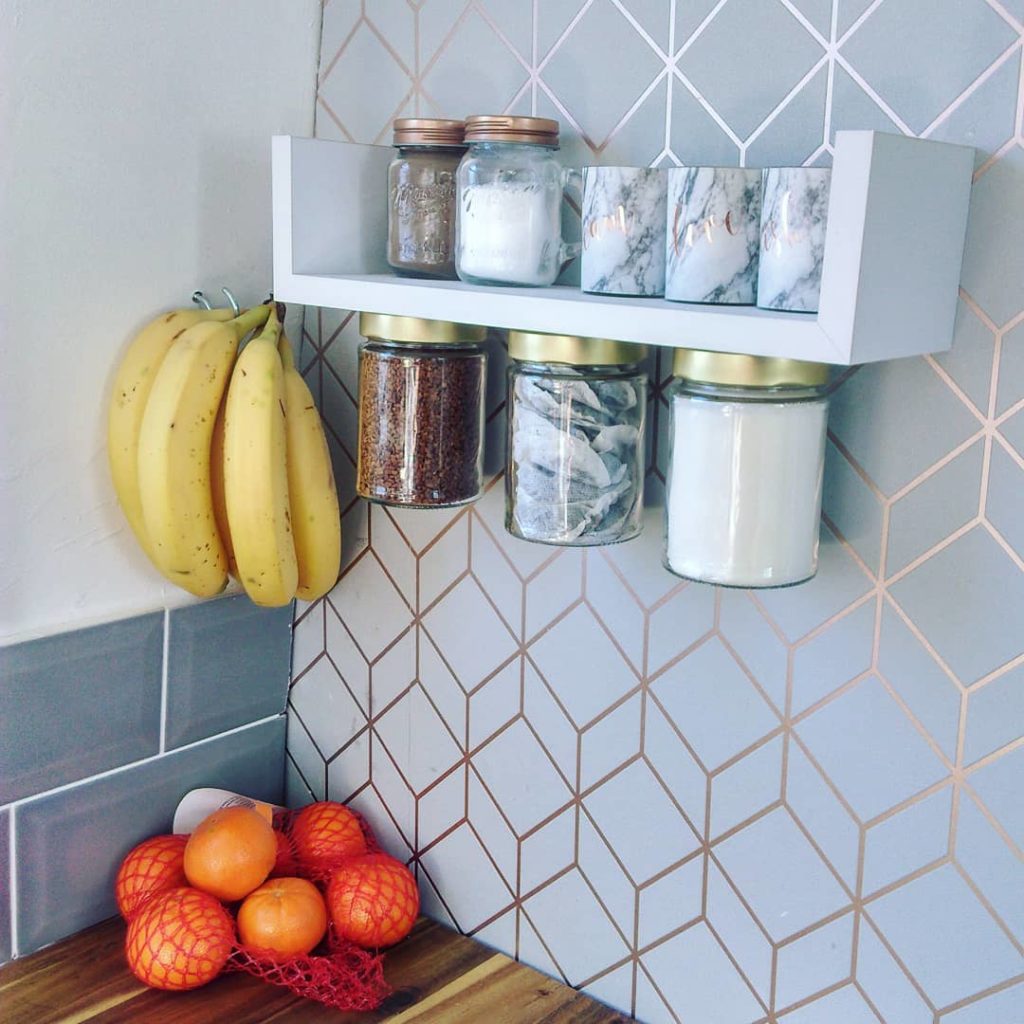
(438, 976)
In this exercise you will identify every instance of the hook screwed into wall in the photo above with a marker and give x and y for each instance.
(201, 300)
(231, 299)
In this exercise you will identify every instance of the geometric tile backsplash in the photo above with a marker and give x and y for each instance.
(705, 805)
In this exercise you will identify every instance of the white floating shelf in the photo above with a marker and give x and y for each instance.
(896, 228)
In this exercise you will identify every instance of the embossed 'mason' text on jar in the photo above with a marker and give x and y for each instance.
(421, 196)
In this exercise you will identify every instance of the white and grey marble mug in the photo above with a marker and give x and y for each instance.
(712, 243)
(623, 231)
(794, 216)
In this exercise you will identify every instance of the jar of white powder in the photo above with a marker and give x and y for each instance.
(746, 455)
(576, 410)
(510, 186)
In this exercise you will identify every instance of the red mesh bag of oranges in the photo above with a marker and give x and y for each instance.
(306, 902)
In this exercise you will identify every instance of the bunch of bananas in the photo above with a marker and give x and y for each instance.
(219, 459)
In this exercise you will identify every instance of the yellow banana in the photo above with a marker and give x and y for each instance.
(256, 474)
(132, 384)
(315, 516)
(174, 453)
(220, 507)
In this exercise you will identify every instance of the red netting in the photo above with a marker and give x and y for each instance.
(344, 976)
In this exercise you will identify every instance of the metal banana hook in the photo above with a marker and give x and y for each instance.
(201, 300)
(236, 309)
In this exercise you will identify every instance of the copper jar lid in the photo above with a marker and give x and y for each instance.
(428, 131)
(539, 131)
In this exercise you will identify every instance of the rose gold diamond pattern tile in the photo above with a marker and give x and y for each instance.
(809, 823)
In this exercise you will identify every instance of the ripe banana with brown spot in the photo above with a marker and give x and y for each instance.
(174, 453)
(133, 382)
(256, 473)
(313, 497)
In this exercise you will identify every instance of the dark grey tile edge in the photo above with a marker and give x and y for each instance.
(228, 663)
(69, 844)
(6, 941)
(79, 703)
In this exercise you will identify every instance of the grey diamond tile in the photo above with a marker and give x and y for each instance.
(968, 601)
(464, 611)
(553, 589)
(441, 807)
(845, 1004)
(679, 623)
(329, 712)
(515, 21)
(991, 865)
(56, 696)
(615, 607)
(814, 962)
(498, 74)
(697, 139)
(614, 989)
(907, 397)
(886, 982)
(870, 749)
(907, 41)
(671, 901)
(746, 787)
(689, 17)
(308, 638)
(1005, 508)
(349, 769)
(466, 878)
(417, 740)
(714, 704)
(577, 931)
(929, 513)
(995, 715)
(650, 1006)
(969, 361)
(799, 128)
(394, 20)
(597, 93)
(852, 507)
(444, 561)
(636, 815)
(443, 689)
(5, 902)
(755, 642)
(393, 793)
(436, 22)
(227, 664)
(739, 933)
(734, 41)
(1011, 384)
(550, 723)
(369, 604)
(818, 13)
(833, 657)
(638, 142)
(999, 784)
(785, 882)
(907, 841)
(945, 936)
(307, 762)
(492, 829)
(548, 851)
(365, 113)
(610, 742)
(993, 271)
(394, 552)
(577, 648)
(722, 996)
(494, 703)
(675, 766)
(607, 879)
(520, 775)
(1007, 1004)
(849, 12)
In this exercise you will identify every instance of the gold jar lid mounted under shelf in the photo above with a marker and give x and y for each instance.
(730, 369)
(535, 347)
(416, 331)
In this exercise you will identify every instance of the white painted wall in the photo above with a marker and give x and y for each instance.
(135, 167)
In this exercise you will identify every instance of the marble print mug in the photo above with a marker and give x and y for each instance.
(714, 219)
(794, 215)
(623, 231)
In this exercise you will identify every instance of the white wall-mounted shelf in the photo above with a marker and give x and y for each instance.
(896, 227)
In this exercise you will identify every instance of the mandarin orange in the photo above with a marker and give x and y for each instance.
(153, 866)
(285, 915)
(373, 900)
(324, 834)
(230, 853)
(180, 939)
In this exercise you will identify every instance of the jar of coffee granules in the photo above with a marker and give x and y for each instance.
(421, 411)
(421, 196)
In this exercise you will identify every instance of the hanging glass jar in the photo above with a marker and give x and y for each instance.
(576, 412)
(746, 456)
(421, 196)
(421, 411)
(510, 187)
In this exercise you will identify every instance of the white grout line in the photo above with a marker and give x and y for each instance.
(163, 682)
(142, 761)
(12, 881)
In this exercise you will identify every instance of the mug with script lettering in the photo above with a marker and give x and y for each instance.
(714, 215)
(794, 215)
(623, 231)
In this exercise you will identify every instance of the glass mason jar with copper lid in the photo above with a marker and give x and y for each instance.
(421, 196)
(510, 187)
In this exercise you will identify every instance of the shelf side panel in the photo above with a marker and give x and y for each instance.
(339, 207)
(910, 249)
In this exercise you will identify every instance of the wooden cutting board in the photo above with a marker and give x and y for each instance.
(438, 976)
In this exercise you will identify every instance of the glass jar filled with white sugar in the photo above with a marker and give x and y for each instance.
(746, 456)
(510, 187)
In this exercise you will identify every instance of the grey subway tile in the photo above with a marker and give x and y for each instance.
(69, 844)
(228, 663)
(5, 886)
(79, 703)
